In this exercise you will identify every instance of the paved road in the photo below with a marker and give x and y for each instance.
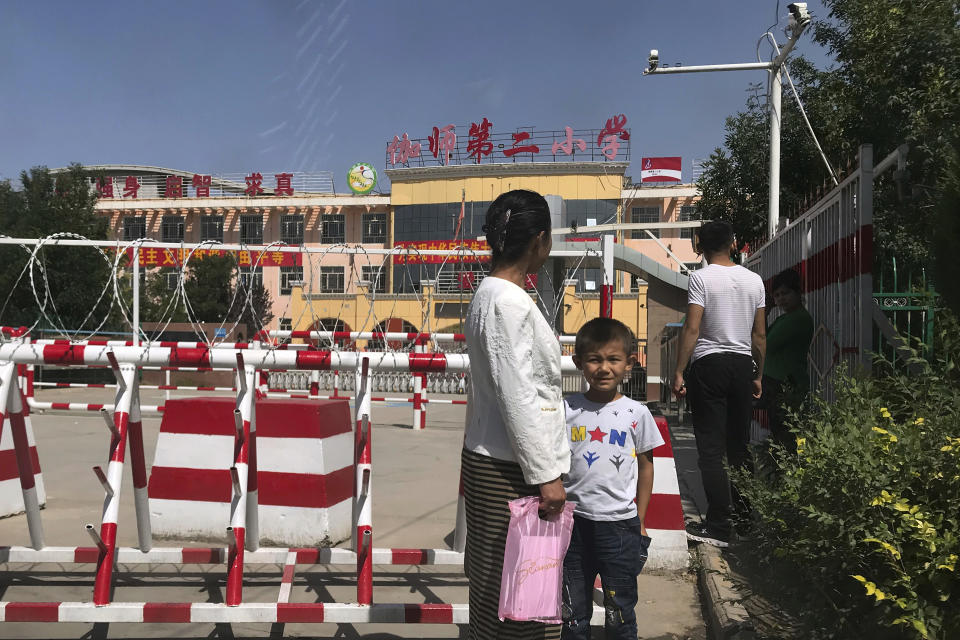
(415, 493)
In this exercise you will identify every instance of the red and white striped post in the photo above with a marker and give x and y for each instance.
(419, 408)
(243, 506)
(314, 384)
(112, 481)
(606, 289)
(12, 407)
(139, 470)
(363, 498)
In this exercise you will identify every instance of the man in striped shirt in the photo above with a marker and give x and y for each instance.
(723, 339)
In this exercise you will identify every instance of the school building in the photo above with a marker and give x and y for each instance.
(422, 210)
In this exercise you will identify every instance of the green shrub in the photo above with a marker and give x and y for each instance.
(860, 525)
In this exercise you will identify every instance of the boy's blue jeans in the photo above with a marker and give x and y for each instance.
(617, 552)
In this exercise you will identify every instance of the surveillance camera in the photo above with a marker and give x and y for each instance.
(654, 59)
(799, 16)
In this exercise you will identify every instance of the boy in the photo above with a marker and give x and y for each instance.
(610, 479)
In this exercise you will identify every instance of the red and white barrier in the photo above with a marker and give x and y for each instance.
(304, 461)
(21, 481)
(664, 521)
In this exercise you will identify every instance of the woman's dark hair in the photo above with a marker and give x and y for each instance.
(513, 220)
(714, 237)
(787, 278)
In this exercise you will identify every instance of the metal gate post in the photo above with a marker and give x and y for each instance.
(113, 479)
(363, 503)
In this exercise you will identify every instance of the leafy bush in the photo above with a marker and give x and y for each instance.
(859, 526)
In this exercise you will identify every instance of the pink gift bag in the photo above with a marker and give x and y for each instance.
(533, 562)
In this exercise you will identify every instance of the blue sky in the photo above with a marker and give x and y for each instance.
(313, 85)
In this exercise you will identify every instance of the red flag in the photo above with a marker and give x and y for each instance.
(660, 169)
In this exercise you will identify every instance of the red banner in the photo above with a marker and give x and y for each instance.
(155, 257)
(412, 257)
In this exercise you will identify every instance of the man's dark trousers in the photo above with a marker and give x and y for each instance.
(720, 391)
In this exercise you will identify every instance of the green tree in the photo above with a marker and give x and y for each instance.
(214, 292)
(896, 79)
(69, 281)
(947, 236)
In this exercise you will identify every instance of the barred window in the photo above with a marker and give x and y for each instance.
(211, 228)
(461, 277)
(171, 229)
(248, 274)
(688, 213)
(376, 277)
(289, 276)
(251, 228)
(134, 227)
(286, 324)
(375, 228)
(331, 280)
(291, 228)
(644, 214)
(333, 229)
(636, 282)
(171, 277)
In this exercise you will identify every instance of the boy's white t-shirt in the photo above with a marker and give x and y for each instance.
(605, 440)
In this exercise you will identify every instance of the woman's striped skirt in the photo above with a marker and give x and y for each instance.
(488, 484)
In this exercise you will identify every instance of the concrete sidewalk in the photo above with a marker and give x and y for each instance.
(415, 481)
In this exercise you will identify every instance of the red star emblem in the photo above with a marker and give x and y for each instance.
(596, 435)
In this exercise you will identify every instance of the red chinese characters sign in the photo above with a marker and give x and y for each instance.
(175, 186)
(413, 257)
(608, 143)
(156, 257)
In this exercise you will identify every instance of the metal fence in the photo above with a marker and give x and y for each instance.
(831, 246)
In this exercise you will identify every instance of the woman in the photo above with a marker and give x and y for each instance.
(514, 442)
(785, 378)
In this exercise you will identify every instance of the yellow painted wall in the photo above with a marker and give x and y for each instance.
(355, 310)
(487, 188)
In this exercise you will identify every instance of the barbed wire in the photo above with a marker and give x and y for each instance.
(114, 292)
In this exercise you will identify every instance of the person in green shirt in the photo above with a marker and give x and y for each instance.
(785, 376)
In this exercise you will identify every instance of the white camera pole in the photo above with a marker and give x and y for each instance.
(799, 21)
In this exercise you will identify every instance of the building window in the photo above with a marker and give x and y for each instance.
(644, 214)
(333, 229)
(376, 277)
(289, 276)
(692, 266)
(286, 324)
(251, 228)
(291, 229)
(250, 273)
(331, 280)
(458, 278)
(171, 277)
(211, 228)
(688, 213)
(636, 283)
(134, 227)
(375, 228)
(171, 229)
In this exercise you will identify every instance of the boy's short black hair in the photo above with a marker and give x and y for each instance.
(714, 237)
(601, 331)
